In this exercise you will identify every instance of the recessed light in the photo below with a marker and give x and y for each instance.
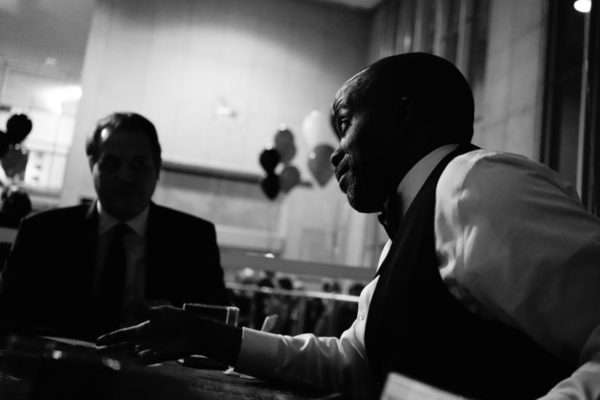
(50, 61)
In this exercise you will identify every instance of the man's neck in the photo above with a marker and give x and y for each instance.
(402, 197)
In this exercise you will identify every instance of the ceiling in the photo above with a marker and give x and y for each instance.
(52, 34)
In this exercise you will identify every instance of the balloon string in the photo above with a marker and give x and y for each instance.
(274, 214)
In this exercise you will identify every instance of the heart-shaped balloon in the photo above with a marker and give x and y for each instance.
(285, 145)
(269, 158)
(270, 186)
(4, 144)
(288, 178)
(18, 127)
(319, 163)
(14, 161)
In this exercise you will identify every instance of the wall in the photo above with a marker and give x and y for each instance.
(270, 62)
(511, 118)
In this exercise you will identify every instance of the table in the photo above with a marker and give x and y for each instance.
(36, 368)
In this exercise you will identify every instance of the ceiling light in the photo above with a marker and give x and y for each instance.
(583, 6)
(50, 61)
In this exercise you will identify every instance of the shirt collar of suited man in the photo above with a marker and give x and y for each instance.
(107, 221)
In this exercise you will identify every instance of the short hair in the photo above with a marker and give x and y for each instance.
(124, 121)
(440, 91)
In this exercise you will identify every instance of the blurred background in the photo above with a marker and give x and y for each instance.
(221, 79)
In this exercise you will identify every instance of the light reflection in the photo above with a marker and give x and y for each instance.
(56, 354)
(111, 363)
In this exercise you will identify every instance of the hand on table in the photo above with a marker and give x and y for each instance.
(171, 333)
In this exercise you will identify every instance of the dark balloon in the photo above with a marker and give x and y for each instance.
(4, 144)
(14, 162)
(288, 178)
(319, 163)
(269, 158)
(285, 145)
(18, 127)
(270, 186)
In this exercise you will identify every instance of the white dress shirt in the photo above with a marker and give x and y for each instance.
(135, 247)
(514, 245)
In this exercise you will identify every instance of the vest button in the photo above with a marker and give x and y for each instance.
(361, 315)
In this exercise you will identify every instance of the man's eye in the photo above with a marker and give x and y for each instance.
(343, 124)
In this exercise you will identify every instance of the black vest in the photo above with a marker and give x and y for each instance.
(417, 328)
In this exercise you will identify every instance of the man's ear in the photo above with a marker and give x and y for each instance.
(158, 169)
(404, 109)
(91, 162)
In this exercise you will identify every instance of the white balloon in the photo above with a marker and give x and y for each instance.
(316, 129)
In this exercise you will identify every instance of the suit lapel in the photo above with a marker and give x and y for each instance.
(88, 249)
(153, 249)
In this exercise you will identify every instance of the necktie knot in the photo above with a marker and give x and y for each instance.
(116, 235)
(120, 229)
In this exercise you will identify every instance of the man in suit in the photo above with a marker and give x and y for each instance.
(488, 286)
(83, 270)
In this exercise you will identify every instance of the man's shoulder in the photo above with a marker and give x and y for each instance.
(476, 157)
(59, 214)
(177, 217)
(495, 172)
(483, 162)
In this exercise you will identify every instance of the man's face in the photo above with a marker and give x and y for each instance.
(366, 160)
(125, 174)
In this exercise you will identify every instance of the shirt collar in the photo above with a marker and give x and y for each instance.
(107, 221)
(416, 176)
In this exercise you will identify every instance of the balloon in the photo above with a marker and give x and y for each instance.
(288, 178)
(269, 158)
(270, 186)
(319, 163)
(317, 129)
(14, 162)
(18, 127)
(4, 144)
(284, 144)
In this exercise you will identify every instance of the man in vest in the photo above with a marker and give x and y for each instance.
(488, 286)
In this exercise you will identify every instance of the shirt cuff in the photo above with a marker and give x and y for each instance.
(258, 353)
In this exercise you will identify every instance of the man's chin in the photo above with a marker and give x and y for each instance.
(124, 213)
(363, 204)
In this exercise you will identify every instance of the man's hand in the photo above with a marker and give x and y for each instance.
(171, 333)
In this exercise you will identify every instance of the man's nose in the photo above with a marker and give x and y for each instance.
(126, 174)
(337, 156)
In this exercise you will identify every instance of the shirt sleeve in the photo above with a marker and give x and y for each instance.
(516, 245)
(326, 364)
(584, 383)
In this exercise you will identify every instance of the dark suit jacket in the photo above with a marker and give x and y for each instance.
(47, 280)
